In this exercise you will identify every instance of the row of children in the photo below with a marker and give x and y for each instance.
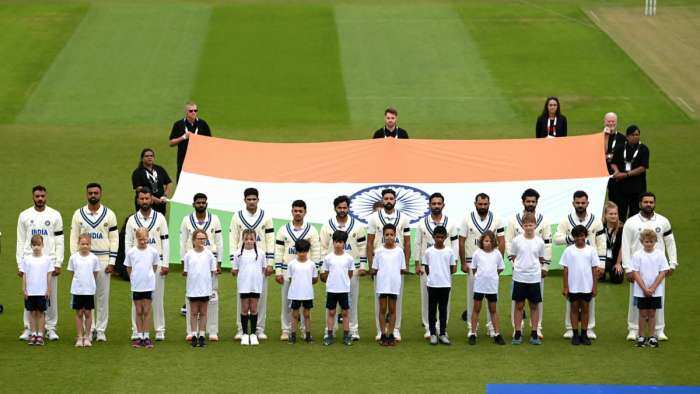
(649, 267)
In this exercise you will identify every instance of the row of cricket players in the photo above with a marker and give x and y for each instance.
(100, 222)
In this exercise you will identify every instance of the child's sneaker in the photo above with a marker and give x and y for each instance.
(433, 340)
(292, 339)
(382, 340)
(193, 340)
(31, 340)
(148, 343)
(245, 339)
(201, 342)
(517, 340)
(39, 340)
(79, 342)
(444, 339)
(308, 338)
(87, 342)
(585, 340)
(535, 341)
(136, 343)
(498, 339)
(391, 340)
(575, 340)
(327, 341)
(253, 338)
(641, 341)
(347, 340)
(472, 339)
(653, 342)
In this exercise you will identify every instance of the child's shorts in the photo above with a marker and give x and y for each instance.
(585, 297)
(35, 303)
(389, 296)
(648, 302)
(141, 295)
(527, 291)
(491, 298)
(245, 296)
(333, 299)
(81, 301)
(296, 304)
(198, 299)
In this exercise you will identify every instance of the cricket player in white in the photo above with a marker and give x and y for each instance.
(285, 251)
(647, 219)
(257, 220)
(100, 223)
(201, 219)
(596, 239)
(356, 246)
(424, 240)
(47, 222)
(375, 225)
(530, 197)
(472, 227)
(157, 228)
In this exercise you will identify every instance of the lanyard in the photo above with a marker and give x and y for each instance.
(634, 155)
(152, 176)
(196, 128)
(396, 132)
(552, 128)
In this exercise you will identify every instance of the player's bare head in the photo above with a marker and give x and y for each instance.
(148, 156)
(391, 115)
(610, 120)
(488, 240)
(482, 201)
(633, 133)
(551, 107)
(389, 199)
(36, 240)
(647, 202)
(579, 231)
(530, 197)
(39, 196)
(94, 192)
(298, 210)
(611, 213)
(144, 198)
(199, 202)
(251, 198)
(191, 110)
(340, 236)
(648, 235)
(341, 204)
(302, 245)
(436, 201)
(580, 201)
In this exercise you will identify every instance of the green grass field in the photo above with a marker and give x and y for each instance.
(87, 85)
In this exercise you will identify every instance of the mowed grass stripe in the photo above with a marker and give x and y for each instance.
(531, 59)
(270, 68)
(35, 34)
(421, 60)
(126, 64)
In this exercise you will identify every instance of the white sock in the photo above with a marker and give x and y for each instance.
(145, 335)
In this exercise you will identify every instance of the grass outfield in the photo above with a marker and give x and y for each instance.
(89, 84)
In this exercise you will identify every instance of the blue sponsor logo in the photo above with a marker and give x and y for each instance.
(410, 201)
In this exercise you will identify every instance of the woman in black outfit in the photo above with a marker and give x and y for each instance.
(551, 123)
(613, 235)
(148, 174)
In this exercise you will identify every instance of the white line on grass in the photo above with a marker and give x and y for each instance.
(686, 104)
(593, 14)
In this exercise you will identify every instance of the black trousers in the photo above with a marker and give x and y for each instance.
(627, 203)
(438, 297)
(610, 272)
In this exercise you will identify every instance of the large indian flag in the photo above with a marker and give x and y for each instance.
(459, 169)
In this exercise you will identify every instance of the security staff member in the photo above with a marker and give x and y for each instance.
(630, 164)
(183, 128)
(391, 128)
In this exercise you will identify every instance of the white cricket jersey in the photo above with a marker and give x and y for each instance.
(377, 220)
(101, 225)
(211, 225)
(47, 223)
(356, 244)
(264, 229)
(473, 227)
(157, 233)
(665, 241)
(596, 233)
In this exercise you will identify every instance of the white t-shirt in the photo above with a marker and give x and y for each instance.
(84, 268)
(439, 262)
(579, 263)
(35, 270)
(199, 266)
(301, 275)
(250, 271)
(337, 267)
(388, 263)
(649, 265)
(527, 252)
(142, 262)
(487, 265)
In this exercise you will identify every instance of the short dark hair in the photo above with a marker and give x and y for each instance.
(632, 128)
(144, 190)
(530, 193)
(93, 184)
(436, 195)
(341, 199)
(388, 226)
(647, 194)
(388, 191)
(251, 191)
(38, 188)
(440, 230)
(198, 196)
(579, 194)
(482, 196)
(339, 235)
(579, 230)
(302, 245)
(299, 204)
(391, 110)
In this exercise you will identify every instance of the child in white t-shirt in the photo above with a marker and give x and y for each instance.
(336, 271)
(579, 261)
(84, 266)
(249, 267)
(199, 268)
(36, 286)
(649, 269)
(487, 264)
(302, 275)
(388, 265)
(439, 263)
(141, 262)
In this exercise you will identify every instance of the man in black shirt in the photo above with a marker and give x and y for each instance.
(613, 139)
(630, 163)
(391, 128)
(185, 127)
